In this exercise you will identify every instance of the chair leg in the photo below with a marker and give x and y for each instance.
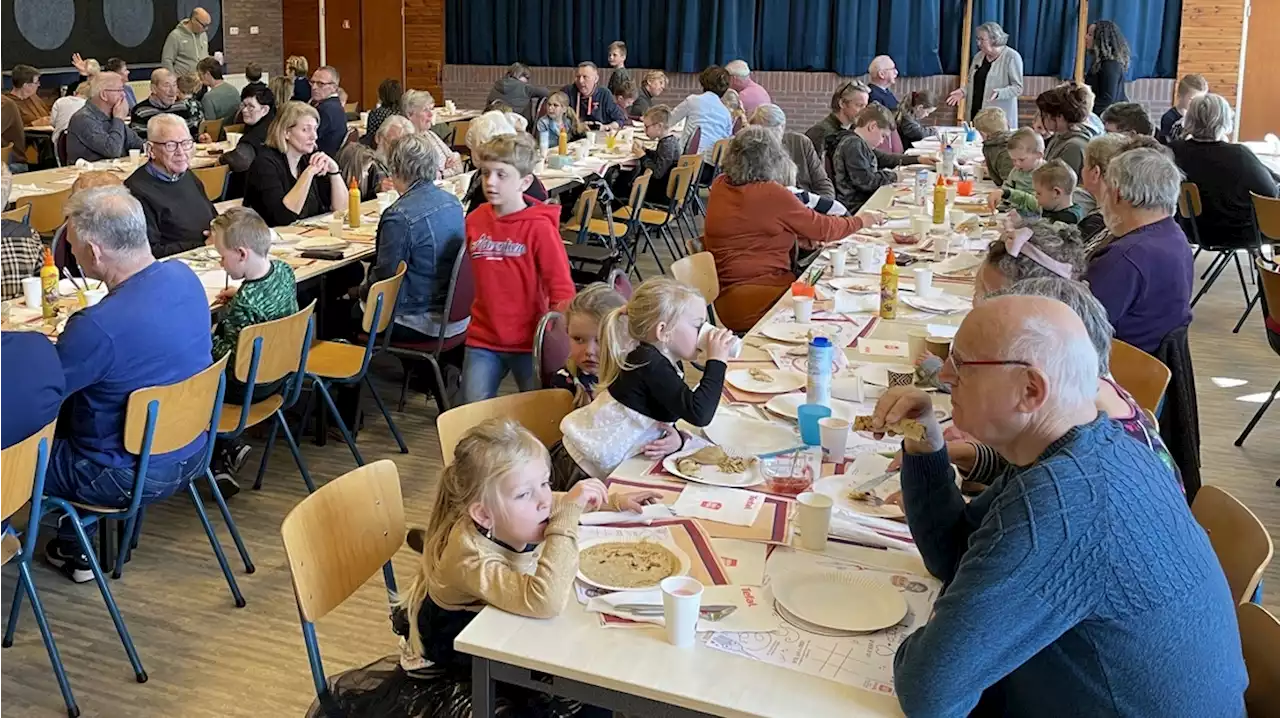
(293, 449)
(216, 544)
(231, 524)
(122, 551)
(337, 418)
(1213, 265)
(442, 391)
(266, 456)
(1256, 417)
(139, 673)
(386, 415)
(26, 584)
(404, 384)
(11, 626)
(1220, 266)
(648, 242)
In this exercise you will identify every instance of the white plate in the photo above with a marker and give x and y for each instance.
(799, 333)
(713, 476)
(855, 285)
(838, 487)
(787, 404)
(681, 557)
(842, 600)
(783, 381)
(874, 374)
(938, 303)
(739, 435)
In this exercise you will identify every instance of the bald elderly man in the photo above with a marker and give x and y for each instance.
(881, 75)
(187, 43)
(1078, 584)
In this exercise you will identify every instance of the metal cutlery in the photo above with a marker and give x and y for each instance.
(710, 613)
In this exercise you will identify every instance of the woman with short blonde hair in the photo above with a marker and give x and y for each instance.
(296, 69)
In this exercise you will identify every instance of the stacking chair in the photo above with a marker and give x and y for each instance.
(348, 364)
(1260, 639)
(1189, 208)
(1140, 374)
(625, 234)
(694, 162)
(457, 307)
(213, 128)
(228, 129)
(718, 151)
(266, 353)
(1270, 292)
(589, 262)
(336, 540)
(1238, 537)
(692, 145)
(661, 220)
(214, 180)
(18, 214)
(699, 271)
(6, 150)
(550, 346)
(60, 149)
(46, 210)
(458, 137)
(538, 411)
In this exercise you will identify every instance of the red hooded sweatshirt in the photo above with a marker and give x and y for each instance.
(520, 269)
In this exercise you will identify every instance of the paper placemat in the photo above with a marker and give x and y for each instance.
(772, 525)
(719, 503)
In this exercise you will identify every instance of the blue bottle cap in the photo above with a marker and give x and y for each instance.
(820, 342)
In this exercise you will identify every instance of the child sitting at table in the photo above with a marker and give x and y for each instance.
(582, 319)
(643, 391)
(498, 536)
(560, 116)
(1054, 184)
(993, 126)
(268, 291)
(1026, 151)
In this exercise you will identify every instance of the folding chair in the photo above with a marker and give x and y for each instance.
(699, 271)
(550, 347)
(1142, 375)
(1238, 537)
(336, 539)
(214, 180)
(348, 364)
(538, 411)
(238, 129)
(1269, 279)
(457, 308)
(1260, 641)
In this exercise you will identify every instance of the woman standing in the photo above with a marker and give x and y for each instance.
(995, 77)
(1110, 62)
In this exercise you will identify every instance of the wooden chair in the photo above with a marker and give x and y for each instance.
(1269, 279)
(589, 262)
(458, 137)
(213, 128)
(662, 220)
(348, 364)
(23, 466)
(238, 129)
(1189, 208)
(6, 150)
(699, 271)
(1260, 639)
(214, 180)
(1238, 537)
(1140, 374)
(46, 210)
(336, 539)
(19, 214)
(266, 353)
(718, 151)
(690, 194)
(625, 233)
(583, 211)
(351, 107)
(457, 307)
(550, 347)
(538, 411)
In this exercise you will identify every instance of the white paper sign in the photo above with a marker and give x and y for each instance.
(716, 503)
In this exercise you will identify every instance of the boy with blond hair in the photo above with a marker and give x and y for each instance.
(1054, 184)
(992, 124)
(1026, 154)
(519, 268)
(1189, 88)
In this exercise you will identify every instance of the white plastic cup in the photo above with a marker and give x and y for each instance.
(681, 601)
(867, 257)
(384, 201)
(135, 156)
(803, 308)
(583, 150)
(31, 292)
(979, 172)
(93, 296)
(835, 437)
(957, 216)
(839, 258)
(337, 228)
(941, 247)
(916, 341)
(592, 137)
(364, 118)
(450, 107)
(924, 281)
(234, 138)
(814, 516)
(704, 337)
(920, 225)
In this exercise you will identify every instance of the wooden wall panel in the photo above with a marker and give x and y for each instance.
(424, 46)
(1212, 43)
(342, 44)
(1260, 99)
(382, 31)
(301, 31)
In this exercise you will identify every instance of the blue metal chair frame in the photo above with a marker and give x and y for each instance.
(291, 390)
(313, 645)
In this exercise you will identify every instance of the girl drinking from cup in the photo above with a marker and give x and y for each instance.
(560, 116)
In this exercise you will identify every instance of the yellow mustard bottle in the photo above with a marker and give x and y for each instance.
(940, 201)
(49, 286)
(353, 204)
(564, 142)
(889, 287)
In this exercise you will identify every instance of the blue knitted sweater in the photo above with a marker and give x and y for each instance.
(1080, 585)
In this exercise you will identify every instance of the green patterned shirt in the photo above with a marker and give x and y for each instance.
(272, 297)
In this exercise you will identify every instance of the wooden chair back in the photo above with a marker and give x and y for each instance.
(214, 180)
(238, 129)
(337, 538)
(388, 290)
(1238, 537)
(678, 184)
(18, 214)
(538, 411)
(1266, 217)
(5, 150)
(350, 107)
(718, 151)
(639, 190)
(1260, 639)
(1189, 200)
(282, 343)
(183, 411)
(213, 128)
(583, 211)
(459, 135)
(1142, 375)
(18, 465)
(46, 210)
(698, 271)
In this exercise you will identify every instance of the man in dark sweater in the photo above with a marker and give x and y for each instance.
(333, 118)
(163, 100)
(857, 169)
(592, 102)
(177, 209)
(1079, 583)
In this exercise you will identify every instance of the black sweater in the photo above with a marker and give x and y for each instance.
(1106, 77)
(269, 180)
(656, 389)
(1225, 173)
(178, 213)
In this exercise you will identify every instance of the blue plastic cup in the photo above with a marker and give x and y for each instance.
(808, 416)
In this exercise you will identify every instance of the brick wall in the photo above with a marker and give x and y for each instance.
(804, 96)
(267, 47)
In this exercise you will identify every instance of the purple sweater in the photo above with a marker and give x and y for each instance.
(1144, 280)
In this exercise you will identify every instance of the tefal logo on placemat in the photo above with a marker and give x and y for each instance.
(712, 505)
(753, 499)
(749, 596)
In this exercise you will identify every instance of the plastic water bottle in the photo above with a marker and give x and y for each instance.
(922, 187)
(821, 355)
(948, 160)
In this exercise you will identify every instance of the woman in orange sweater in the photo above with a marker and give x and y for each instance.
(755, 224)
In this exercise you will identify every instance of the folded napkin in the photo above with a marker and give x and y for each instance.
(754, 605)
(718, 503)
(83, 164)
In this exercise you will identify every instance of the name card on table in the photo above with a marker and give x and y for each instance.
(883, 347)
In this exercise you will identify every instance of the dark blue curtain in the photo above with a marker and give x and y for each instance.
(1151, 27)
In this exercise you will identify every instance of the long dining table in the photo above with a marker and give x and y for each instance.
(57, 179)
(636, 670)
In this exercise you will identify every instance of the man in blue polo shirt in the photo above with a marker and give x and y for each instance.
(151, 329)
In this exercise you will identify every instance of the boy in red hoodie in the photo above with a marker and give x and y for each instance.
(520, 269)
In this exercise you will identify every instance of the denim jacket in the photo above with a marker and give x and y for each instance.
(425, 228)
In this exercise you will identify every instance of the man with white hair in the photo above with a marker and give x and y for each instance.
(880, 76)
(187, 43)
(164, 100)
(151, 329)
(750, 93)
(177, 209)
(1079, 583)
(332, 130)
(98, 130)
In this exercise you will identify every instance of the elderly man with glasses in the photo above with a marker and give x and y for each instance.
(98, 130)
(1078, 583)
(164, 100)
(332, 130)
(173, 199)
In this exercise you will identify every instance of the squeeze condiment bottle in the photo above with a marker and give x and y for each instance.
(353, 204)
(564, 142)
(49, 286)
(889, 287)
(940, 201)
